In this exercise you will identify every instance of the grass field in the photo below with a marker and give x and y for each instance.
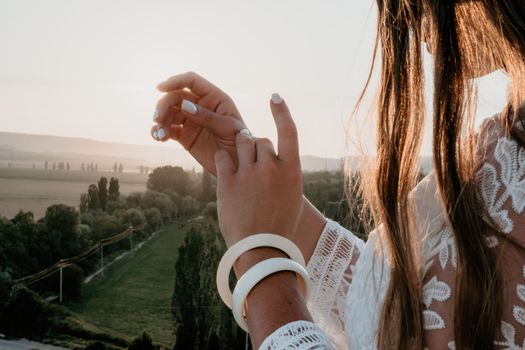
(36, 189)
(135, 294)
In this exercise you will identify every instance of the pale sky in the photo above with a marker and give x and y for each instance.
(89, 68)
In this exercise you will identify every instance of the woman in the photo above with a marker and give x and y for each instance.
(445, 267)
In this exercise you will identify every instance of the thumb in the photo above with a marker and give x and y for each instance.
(224, 164)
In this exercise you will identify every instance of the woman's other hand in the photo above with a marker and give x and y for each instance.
(199, 115)
(264, 194)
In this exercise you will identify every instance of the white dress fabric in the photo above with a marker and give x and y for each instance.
(351, 277)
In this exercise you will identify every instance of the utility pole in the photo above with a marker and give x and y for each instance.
(60, 299)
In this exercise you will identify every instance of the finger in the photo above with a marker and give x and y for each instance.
(162, 133)
(190, 80)
(245, 145)
(288, 144)
(223, 164)
(171, 100)
(216, 123)
(154, 132)
(265, 150)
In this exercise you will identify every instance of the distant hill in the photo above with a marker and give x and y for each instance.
(24, 150)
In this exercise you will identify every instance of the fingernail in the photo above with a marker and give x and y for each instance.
(161, 134)
(245, 132)
(276, 99)
(189, 107)
(156, 115)
(156, 135)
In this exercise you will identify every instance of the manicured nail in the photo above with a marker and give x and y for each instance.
(156, 135)
(161, 134)
(156, 115)
(245, 132)
(189, 107)
(276, 99)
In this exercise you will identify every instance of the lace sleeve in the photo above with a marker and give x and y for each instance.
(331, 269)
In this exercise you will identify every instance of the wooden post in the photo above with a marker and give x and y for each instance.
(102, 259)
(60, 298)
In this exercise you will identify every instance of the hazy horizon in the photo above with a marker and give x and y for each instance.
(89, 69)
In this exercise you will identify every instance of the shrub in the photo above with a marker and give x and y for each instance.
(73, 276)
(26, 313)
(210, 210)
(143, 342)
(5, 287)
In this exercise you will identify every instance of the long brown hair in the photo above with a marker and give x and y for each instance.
(459, 30)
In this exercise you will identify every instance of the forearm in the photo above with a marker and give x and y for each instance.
(275, 301)
(309, 230)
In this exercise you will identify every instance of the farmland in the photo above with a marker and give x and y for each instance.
(36, 189)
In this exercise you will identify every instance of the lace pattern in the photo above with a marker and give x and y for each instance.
(351, 278)
(297, 335)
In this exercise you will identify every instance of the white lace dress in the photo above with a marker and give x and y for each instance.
(351, 277)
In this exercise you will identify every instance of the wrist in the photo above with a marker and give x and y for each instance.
(254, 256)
(311, 224)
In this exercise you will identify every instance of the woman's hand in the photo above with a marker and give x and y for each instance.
(265, 193)
(206, 122)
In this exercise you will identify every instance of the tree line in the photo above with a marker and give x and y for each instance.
(30, 245)
(201, 321)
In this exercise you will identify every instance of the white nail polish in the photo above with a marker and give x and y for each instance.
(161, 134)
(276, 99)
(156, 115)
(155, 135)
(188, 107)
(245, 132)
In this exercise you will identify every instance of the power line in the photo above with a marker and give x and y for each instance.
(62, 263)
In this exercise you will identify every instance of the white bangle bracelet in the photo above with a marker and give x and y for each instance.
(258, 272)
(241, 247)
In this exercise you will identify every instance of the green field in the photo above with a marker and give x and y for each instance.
(135, 293)
(37, 189)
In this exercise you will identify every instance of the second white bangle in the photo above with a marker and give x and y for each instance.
(258, 272)
(244, 245)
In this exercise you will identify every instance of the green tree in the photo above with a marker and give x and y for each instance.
(210, 210)
(26, 313)
(153, 218)
(143, 342)
(103, 193)
(199, 314)
(161, 201)
(169, 178)
(73, 276)
(62, 221)
(83, 203)
(207, 190)
(114, 189)
(5, 286)
(93, 198)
